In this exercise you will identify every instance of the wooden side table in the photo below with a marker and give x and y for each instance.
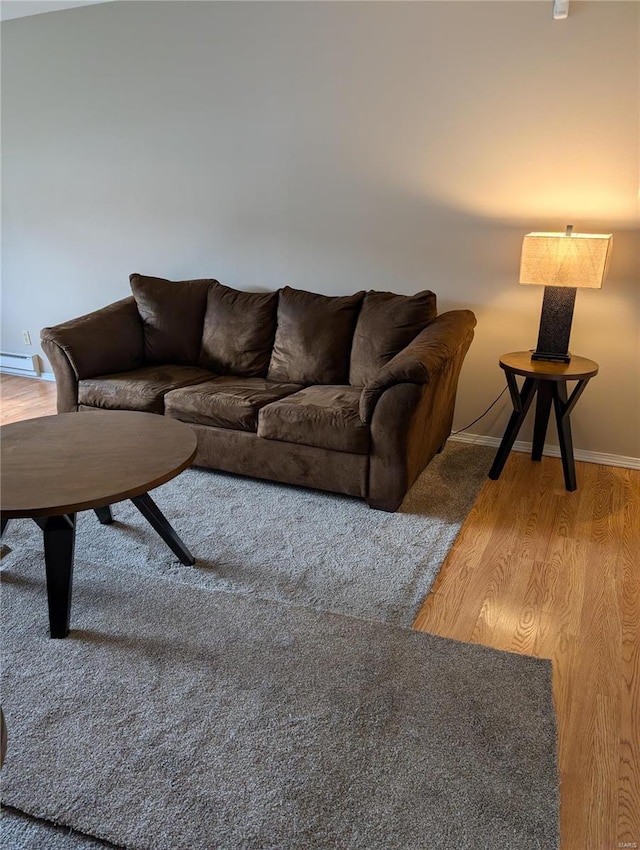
(549, 380)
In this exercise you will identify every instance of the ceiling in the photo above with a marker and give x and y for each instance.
(10, 9)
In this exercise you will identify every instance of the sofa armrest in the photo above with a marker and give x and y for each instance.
(107, 340)
(422, 359)
(99, 343)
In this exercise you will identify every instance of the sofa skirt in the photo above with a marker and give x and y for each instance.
(245, 453)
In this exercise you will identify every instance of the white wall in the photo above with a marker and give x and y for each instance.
(10, 9)
(331, 146)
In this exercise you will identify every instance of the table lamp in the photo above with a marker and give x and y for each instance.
(561, 262)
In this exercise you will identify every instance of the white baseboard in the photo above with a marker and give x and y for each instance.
(43, 376)
(27, 365)
(552, 451)
(24, 373)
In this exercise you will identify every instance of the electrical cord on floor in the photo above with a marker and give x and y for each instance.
(493, 403)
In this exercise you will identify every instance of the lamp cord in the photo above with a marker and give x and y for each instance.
(493, 403)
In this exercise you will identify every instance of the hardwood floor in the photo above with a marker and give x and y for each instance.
(543, 572)
(25, 398)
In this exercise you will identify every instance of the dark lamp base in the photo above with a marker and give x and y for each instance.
(555, 324)
(550, 357)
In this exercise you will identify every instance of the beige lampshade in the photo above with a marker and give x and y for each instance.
(561, 259)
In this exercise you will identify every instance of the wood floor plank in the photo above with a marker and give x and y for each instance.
(628, 802)
(25, 398)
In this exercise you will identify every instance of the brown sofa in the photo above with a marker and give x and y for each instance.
(353, 394)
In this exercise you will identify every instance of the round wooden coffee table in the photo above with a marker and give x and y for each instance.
(55, 466)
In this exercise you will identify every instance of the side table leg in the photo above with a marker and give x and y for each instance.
(104, 515)
(59, 542)
(515, 423)
(564, 434)
(152, 513)
(543, 409)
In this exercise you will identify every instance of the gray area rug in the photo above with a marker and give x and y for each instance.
(21, 832)
(177, 718)
(122, 703)
(272, 541)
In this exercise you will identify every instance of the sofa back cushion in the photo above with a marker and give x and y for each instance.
(386, 324)
(172, 314)
(314, 336)
(239, 329)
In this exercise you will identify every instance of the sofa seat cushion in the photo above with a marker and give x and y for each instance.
(323, 416)
(142, 389)
(226, 402)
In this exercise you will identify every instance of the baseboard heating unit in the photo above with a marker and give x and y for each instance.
(20, 364)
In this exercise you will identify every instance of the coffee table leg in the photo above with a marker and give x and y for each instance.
(59, 542)
(104, 515)
(152, 513)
